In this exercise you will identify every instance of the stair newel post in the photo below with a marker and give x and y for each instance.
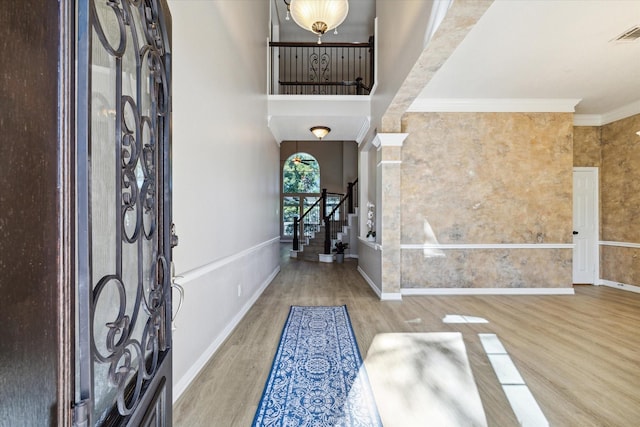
(327, 235)
(350, 196)
(359, 86)
(324, 202)
(296, 243)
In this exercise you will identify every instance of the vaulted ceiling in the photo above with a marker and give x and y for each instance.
(527, 50)
(540, 49)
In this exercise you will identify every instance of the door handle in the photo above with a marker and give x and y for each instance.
(175, 285)
(575, 232)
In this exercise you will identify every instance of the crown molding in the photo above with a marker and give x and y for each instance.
(587, 120)
(274, 131)
(389, 139)
(606, 118)
(366, 124)
(493, 105)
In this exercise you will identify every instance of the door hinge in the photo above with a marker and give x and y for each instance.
(81, 414)
(174, 237)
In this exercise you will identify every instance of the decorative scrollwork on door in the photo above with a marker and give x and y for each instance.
(128, 264)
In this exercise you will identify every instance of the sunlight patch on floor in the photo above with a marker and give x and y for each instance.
(459, 318)
(421, 379)
(522, 402)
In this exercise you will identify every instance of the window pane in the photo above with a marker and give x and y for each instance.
(290, 210)
(301, 174)
(332, 202)
(312, 220)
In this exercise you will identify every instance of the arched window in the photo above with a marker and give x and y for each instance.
(301, 174)
(300, 190)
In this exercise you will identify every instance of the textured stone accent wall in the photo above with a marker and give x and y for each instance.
(486, 268)
(390, 173)
(487, 178)
(586, 146)
(620, 200)
(620, 265)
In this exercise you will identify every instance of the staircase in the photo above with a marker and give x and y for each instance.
(312, 249)
(340, 224)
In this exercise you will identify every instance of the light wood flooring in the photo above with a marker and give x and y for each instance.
(579, 354)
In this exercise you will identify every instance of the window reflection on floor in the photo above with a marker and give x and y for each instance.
(458, 318)
(522, 402)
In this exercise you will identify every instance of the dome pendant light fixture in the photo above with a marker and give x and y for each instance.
(320, 131)
(318, 16)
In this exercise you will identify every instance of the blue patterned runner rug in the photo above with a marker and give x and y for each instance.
(317, 378)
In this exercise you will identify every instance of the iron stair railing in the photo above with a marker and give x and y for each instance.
(297, 222)
(332, 222)
(301, 68)
(337, 218)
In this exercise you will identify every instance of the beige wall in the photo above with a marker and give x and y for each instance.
(225, 174)
(615, 149)
(487, 178)
(586, 146)
(620, 200)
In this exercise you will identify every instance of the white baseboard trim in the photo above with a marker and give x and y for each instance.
(190, 375)
(384, 296)
(388, 296)
(486, 291)
(618, 285)
(370, 282)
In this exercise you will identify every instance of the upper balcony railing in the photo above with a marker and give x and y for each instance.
(322, 69)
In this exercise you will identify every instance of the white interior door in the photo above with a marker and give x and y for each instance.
(585, 225)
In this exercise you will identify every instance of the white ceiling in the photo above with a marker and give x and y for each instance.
(519, 50)
(549, 49)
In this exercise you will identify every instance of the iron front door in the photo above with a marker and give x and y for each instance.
(123, 301)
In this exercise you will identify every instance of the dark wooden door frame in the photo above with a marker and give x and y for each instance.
(37, 214)
(36, 190)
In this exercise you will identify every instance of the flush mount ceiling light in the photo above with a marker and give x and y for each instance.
(318, 16)
(320, 131)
